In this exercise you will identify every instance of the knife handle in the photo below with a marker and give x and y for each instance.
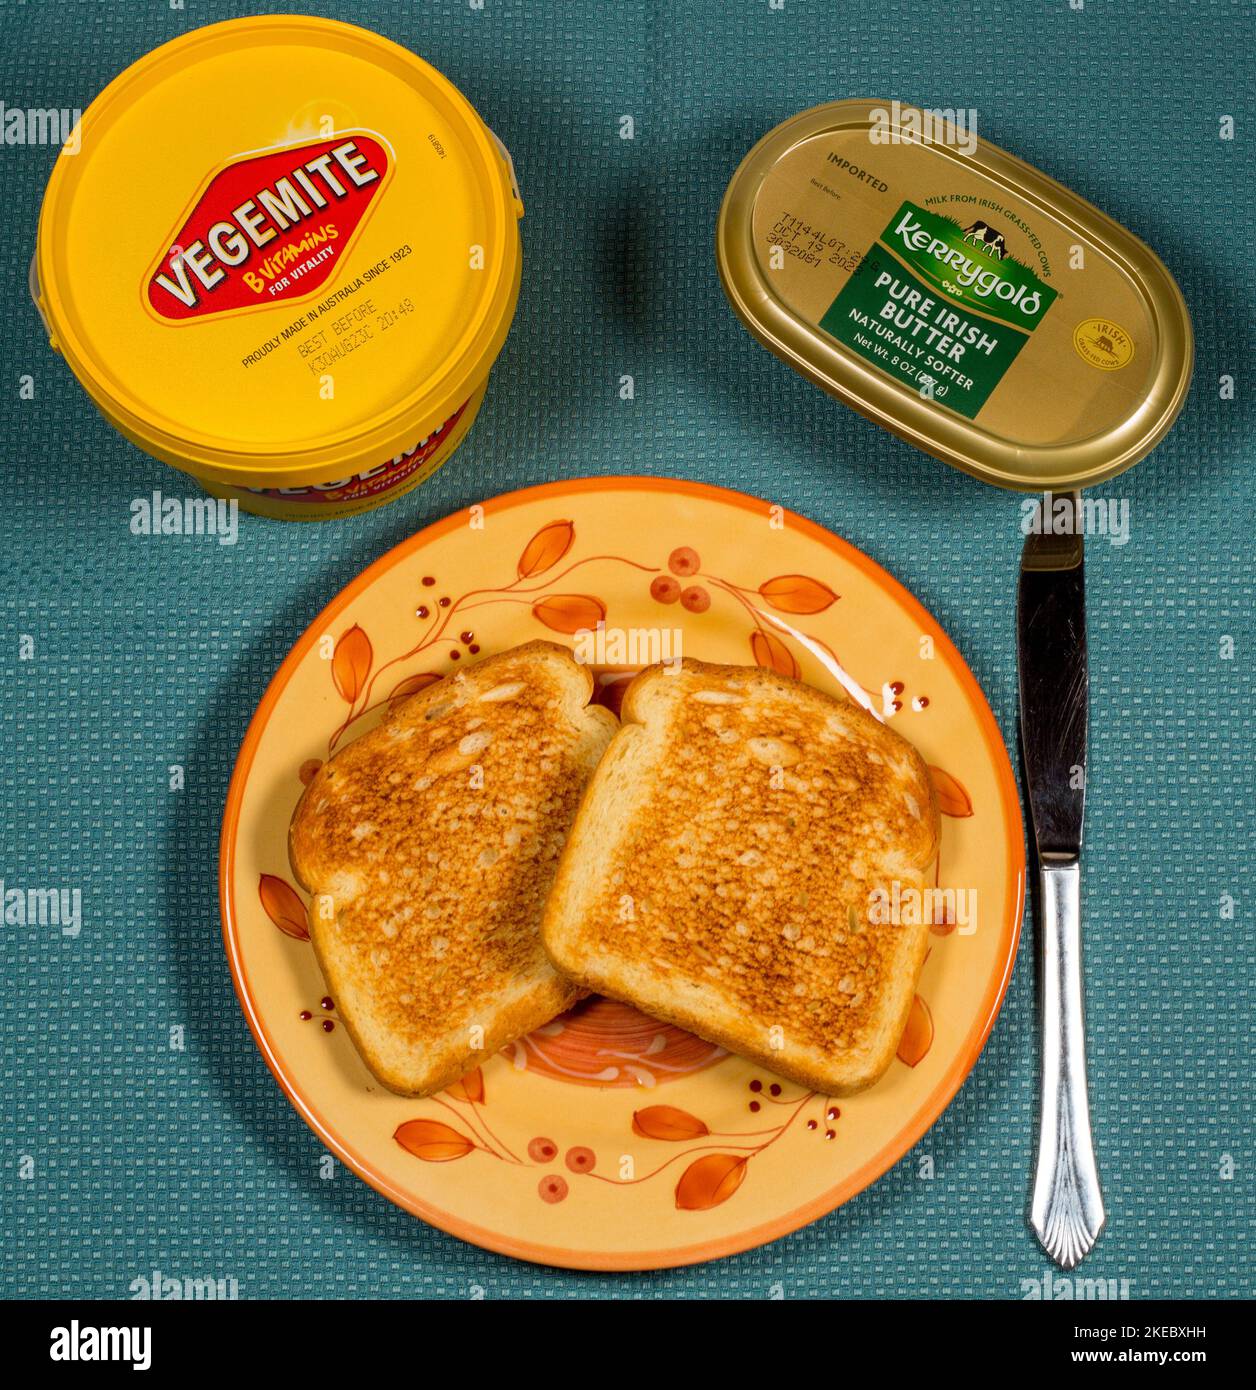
(1066, 1212)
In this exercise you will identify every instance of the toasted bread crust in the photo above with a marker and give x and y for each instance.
(720, 869)
(429, 845)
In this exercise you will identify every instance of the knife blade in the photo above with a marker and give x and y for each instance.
(1051, 654)
(1066, 1209)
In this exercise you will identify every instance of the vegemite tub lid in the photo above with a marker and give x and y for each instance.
(286, 249)
(955, 295)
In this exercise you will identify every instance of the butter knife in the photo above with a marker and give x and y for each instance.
(1066, 1210)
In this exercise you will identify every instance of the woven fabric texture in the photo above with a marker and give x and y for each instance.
(152, 654)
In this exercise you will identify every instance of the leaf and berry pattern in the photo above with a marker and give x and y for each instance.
(540, 583)
(437, 1141)
(715, 1162)
(774, 642)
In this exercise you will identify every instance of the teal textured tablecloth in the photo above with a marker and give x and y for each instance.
(121, 1155)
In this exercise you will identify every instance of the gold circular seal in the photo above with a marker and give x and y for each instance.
(1103, 344)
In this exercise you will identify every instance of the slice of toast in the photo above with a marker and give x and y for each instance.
(721, 871)
(429, 845)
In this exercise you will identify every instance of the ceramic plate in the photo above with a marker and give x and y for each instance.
(606, 1140)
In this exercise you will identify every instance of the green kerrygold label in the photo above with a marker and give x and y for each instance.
(941, 307)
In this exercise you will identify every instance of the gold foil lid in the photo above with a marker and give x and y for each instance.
(955, 295)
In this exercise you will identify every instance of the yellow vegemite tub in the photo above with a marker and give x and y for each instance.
(284, 261)
(955, 295)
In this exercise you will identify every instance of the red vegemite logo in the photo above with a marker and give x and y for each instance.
(270, 227)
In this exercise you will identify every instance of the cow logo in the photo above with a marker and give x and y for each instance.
(1103, 344)
(970, 265)
(985, 238)
(269, 226)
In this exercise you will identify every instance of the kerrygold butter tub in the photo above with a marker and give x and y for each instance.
(284, 261)
(956, 296)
